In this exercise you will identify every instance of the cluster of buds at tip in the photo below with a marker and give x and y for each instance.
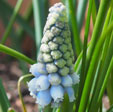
(54, 72)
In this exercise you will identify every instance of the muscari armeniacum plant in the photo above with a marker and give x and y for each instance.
(54, 73)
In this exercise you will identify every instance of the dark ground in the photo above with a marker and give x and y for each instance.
(10, 73)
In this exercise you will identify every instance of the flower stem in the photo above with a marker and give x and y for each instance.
(19, 90)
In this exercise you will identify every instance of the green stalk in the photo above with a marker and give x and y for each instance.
(11, 22)
(7, 10)
(78, 61)
(15, 54)
(4, 102)
(82, 74)
(27, 17)
(102, 77)
(105, 81)
(110, 88)
(19, 89)
(40, 8)
(76, 36)
(90, 74)
(104, 53)
(97, 29)
(94, 12)
(82, 4)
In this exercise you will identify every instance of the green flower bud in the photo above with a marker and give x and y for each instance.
(47, 57)
(64, 71)
(60, 63)
(51, 68)
(56, 54)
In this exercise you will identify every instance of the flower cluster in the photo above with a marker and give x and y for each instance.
(54, 72)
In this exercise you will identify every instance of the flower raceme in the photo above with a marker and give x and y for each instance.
(54, 72)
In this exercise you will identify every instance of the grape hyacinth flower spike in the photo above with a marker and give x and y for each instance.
(54, 73)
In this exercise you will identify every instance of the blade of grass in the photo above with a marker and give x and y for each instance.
(104, 53)
(81, 13)
(97, 3)
(110, 88)
(11, 22)
(94, 12)
(15, 54)
(7, 10)
(78, 61)
(40, 8)
(76, 36)
(92, 67)
(94, 103)
(4, 102)
(82, 74)
(97, 30)
(105, 80)
(27, 17)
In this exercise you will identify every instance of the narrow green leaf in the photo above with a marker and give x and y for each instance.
(102, 78)
(82, 74)
(82, 4)
(76, 36)
(110, 88)
(4, 102)
(97, 29)
(106, 80)
(91, 71)
(7, 10)
(97, 3)
(94, 12)
(104, 53)
(40, 8)
(15, 54)
(11, 22)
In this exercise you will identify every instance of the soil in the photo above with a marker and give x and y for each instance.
(10, 73)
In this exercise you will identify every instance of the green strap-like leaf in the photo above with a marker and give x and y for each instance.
(15, 54)
(40, 8)
(7, 10)
(4, 102)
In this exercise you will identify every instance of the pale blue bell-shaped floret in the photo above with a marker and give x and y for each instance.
(38, 69)
(54, 79)
(43, 98)
(32, 87)
(70, 93)
(66, 81)
(57, 93)
(75, 78)
(42, 83)
(34, 71)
